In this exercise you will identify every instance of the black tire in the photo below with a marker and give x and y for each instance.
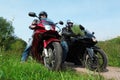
(99, 62)
(54, 59)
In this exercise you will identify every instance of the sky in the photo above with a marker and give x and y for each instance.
(99, 16)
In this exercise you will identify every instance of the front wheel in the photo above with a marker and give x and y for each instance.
(98, 62)
(54, 59)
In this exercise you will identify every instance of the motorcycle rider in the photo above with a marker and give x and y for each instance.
(26, 51)
(37, 40)
(43, 18)
(67, 33)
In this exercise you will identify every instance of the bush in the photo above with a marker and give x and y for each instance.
(112, 49)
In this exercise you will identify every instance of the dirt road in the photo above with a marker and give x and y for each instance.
(112, 73)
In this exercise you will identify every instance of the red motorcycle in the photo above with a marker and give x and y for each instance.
(48, 50)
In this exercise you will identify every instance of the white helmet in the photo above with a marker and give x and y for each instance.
(69, 23)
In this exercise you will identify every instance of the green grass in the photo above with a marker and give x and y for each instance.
(112, 49)
(12, 69)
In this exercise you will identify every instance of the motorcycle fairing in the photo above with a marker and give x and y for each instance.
(46, 42)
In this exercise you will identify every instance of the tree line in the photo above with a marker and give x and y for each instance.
(8, 40)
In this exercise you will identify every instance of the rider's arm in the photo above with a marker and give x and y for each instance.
(67, 33)
(34, 23)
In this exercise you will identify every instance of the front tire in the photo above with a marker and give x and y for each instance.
(54, 59)
(99, 62)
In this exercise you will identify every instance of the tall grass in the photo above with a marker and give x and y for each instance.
(12, 69)
(112, 49)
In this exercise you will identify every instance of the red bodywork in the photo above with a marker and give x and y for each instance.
(46, 42)
(42, 38)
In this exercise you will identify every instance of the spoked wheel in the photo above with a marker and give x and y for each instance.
(98, 62)
(54, 59)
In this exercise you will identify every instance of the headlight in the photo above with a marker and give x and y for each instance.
(94, 39)
(47, 27)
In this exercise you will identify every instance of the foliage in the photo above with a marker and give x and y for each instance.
(112, 49)
(18, 45)
(12, 69)
(7, 39)
(6, 31)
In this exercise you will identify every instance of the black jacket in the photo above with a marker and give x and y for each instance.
(67, 33)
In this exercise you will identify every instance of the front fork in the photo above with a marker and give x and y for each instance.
(45, 52)
(45, 49)
(90, 52)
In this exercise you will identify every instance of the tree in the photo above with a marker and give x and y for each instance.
(17, 46)
(6, 31)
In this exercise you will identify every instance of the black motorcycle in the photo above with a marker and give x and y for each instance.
(83, 51)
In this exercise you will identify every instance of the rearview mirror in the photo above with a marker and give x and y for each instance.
(81, 27)
(93, 33)
(61, 22)
(32, 14)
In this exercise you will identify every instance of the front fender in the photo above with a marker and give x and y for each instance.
(46, 42)
(96, 47)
